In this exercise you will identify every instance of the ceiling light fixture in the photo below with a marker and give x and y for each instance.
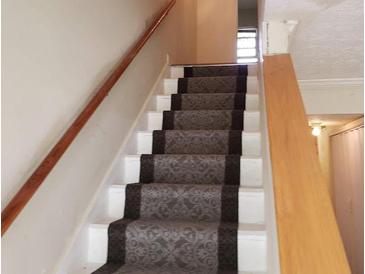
(316, 129)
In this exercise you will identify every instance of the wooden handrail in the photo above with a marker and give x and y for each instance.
(23, 196)
(309, 239)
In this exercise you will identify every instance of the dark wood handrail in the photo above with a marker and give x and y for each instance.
(23, 196)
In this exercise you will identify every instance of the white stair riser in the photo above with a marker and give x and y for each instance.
(251, 121)
(252, 251)
(178, 71)
(251, 143)
(163, 102)
(251, 170)
(251, 248)
(250, 201)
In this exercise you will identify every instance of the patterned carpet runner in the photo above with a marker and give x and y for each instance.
(182, 217)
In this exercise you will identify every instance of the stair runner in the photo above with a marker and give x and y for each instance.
(182, 217)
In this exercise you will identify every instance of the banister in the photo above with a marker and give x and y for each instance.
(309, 239)
(22, 197)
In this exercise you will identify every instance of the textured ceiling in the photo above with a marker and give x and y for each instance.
(294, 9)
(328, 42)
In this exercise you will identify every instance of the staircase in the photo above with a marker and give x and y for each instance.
(199, 203)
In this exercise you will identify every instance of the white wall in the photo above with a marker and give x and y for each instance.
(324, 155)
(55, 54)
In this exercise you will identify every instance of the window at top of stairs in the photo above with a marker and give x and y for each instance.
(246, 45)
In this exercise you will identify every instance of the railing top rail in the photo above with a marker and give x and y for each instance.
(309, 239)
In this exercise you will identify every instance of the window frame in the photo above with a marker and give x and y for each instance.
(248, 58)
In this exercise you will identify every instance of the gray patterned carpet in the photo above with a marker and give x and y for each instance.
(182, 217)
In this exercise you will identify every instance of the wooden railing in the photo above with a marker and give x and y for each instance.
(23, 196)
(309, 239)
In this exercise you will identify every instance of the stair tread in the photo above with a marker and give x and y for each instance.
(208, 111)
(243, 111)
(182, 216)
(182, 202)
(208, 101)
(243, 229)
(88, 268)
(189, 168)
(241, 189)
(204, 71)
(217, 84)
(197, 142)
(203, 119)
(213, 78)
(197, 131)
(168, 96)
(249, 133)
(136, 269)
(243, 157)
(176, 244)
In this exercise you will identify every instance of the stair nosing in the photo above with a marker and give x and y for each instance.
(243, 229)
(242, 190)
(242, 157)
(245, 111)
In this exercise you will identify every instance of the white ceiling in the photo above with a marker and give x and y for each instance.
(247, 4)
(295, 9)
(328, 42)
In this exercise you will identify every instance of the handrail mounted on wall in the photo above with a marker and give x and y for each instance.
(30, 187)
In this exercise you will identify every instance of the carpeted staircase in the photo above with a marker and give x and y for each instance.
(182, 217)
